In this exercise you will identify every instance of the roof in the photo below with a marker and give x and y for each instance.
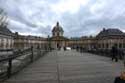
(57, 28)
(59, 38)
(82, 38)
(29, 37)
(75, 38)
(110, 32)
(5, 31)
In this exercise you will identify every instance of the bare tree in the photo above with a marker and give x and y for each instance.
(3, 18)
(1, 10)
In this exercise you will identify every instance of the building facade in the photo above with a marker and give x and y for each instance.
(22, 42)
(6, 38)
(104, 40)
(109, 37)
(59, 41)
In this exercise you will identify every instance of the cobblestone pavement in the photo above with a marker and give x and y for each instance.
(69, 67)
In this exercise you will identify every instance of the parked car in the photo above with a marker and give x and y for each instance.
(68, 48)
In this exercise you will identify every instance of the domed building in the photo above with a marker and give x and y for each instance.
(104, 40)
(58, 41)
(57, 31)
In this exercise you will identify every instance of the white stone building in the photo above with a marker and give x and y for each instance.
(6, 38)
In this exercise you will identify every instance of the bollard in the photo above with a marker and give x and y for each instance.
(31, 54)
(9, 69)
(38, 51)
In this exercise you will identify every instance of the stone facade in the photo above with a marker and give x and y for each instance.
(104, 40)
(57, 40)
(6, 41)
(22, 42)
(6, 38)
(108, 37)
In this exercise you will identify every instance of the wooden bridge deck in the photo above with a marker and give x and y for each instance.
(69, 67)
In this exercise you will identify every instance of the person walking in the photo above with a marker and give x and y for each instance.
(114, 53)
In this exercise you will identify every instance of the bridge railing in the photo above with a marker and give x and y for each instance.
(18, 60)
(104, 52)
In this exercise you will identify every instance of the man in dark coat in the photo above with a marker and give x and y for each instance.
(114, 53)
(118, 80)
(121, 78)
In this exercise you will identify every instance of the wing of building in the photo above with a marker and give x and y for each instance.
(108, 37)
(6, 38)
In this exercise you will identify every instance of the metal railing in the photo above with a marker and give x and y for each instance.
(104, 52)
(18, 60)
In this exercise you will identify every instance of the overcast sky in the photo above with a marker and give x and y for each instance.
(77, 17)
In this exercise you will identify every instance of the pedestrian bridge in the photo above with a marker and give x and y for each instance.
(69, 67)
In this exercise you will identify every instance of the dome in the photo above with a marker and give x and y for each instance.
(57, 28)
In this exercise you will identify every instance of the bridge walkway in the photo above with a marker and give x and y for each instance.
(69, 67)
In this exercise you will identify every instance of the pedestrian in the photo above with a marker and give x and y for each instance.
(120, 79)
(77, 48)
(114, 52)
(64, 48)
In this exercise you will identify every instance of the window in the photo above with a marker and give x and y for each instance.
(123, 45)
(58, 34)
(107, 45)
(0, 42)
(120, 45)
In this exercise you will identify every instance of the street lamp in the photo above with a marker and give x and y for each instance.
(49, 42)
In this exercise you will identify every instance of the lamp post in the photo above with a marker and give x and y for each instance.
(49, 43)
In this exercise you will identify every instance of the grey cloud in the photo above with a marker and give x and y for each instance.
(38, 17)
(84, 22)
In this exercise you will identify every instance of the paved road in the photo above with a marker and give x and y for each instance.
(69, 67)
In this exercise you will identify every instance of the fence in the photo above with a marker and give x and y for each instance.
(103, 52)
(17, 60)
